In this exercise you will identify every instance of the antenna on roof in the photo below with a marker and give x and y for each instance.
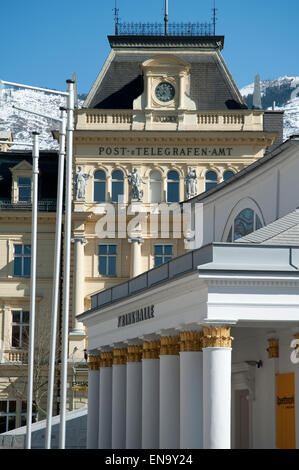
(214, 9)
(116, 17)
(166, 17)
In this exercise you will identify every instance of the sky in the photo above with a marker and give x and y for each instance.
(43, 42)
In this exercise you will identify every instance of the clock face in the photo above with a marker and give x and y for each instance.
(165, 92)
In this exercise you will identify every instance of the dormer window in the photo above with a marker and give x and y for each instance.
(21, 189)
(24, 189)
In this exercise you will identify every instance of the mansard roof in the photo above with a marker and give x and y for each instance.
(120, 81)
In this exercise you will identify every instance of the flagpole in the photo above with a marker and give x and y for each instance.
(67, 260)
(166, 17)
(35, 157)
(56, 275)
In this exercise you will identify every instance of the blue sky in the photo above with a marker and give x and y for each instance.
(44, 41)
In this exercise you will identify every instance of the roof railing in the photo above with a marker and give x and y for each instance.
(158, 29)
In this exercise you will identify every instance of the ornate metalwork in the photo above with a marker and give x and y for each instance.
(158, 29)
(47, 205)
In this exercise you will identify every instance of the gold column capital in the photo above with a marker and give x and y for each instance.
(216, 337)
(273, 349)
(170, 345)
(119, 356)
(134, 353)
(93, 362)
(151, 349)
(106, 359)
(191, 341)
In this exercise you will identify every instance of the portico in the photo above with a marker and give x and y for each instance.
(188, 367)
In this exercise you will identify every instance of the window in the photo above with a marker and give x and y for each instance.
(24, 189)
(23, 420)
(162, 254)
(99, 191)
(173, 186)
(228, 174)
(211, 179)
(22, 260)
(20, 329)
(117, 185)
(8, 414)
(247, 221)
(107, 260)
(155, 186)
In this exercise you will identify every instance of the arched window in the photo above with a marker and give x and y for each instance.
(155, 186)
(228, 174)
(173, 186)
(99, 186)
(117, 185)
(211, 179)
(247, 221)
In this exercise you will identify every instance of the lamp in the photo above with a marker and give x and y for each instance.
(258, 364)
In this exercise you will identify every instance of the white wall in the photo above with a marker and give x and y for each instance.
(271, 187)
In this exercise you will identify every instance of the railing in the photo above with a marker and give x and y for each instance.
(207, 119)
(103, 118)
(224, 119)
(176, 267)
(158, 29)
(48, 205)
(16, 356)
(236, 120)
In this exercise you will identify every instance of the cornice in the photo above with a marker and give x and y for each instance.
(176, 138)
(252, 283)
(197, 42)
(11, 215)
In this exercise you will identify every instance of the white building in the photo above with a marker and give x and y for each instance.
(200, 351)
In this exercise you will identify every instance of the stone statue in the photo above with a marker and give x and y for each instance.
(191, 181)
(135, 181)
(80, 184)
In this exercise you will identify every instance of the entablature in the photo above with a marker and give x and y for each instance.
(259, 138)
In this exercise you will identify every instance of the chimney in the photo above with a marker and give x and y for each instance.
(257, 99)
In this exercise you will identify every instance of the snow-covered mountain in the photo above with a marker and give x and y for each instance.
(22, 124)
(284, 91)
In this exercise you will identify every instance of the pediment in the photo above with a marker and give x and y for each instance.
(164, 61)
(21, 166)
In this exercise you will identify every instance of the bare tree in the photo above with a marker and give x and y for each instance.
(18, 375)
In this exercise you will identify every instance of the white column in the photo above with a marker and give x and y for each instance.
(136, 264)
(169, 429)
(78, 286)
(182, 91)
(295, 361)
(105, 405)
(148, 92)
(93, 402)
(150, 394)
(190, 390)
(119, 370)
(216, 388)
(134, 398)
